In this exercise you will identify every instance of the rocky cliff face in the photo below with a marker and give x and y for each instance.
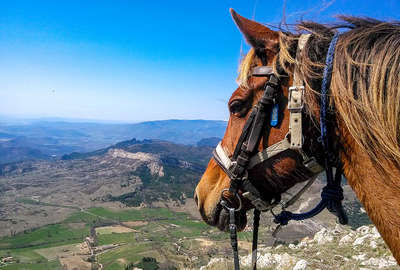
(152, 161)
(337, 248)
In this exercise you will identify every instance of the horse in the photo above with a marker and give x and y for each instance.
(364, 104)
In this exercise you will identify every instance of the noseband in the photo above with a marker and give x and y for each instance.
(262, 118)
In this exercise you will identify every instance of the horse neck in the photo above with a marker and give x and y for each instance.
(380, 197)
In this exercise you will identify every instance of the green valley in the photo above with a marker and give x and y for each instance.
(173, 238)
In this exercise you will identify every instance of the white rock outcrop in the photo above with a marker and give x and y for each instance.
(301, 265)
(329, 248)
(213, 262)
(345, 240)
(268, 260)
(152, 161)
(323, 236)
(360, 240)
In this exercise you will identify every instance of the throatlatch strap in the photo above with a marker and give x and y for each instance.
(297, 80)
(295, 108)
(295, 105)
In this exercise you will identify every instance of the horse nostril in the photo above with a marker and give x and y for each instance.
(196, 199)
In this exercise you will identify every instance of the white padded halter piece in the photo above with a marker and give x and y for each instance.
(223, 157)
(258, 158)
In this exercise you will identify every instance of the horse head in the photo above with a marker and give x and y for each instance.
(363, 122)
(274, 175)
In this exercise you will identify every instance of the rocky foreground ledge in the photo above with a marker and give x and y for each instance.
(338, 248)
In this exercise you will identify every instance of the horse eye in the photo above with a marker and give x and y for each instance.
(236, 107)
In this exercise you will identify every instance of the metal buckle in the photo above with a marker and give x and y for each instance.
(225, 204)
(233, 169)
(237, 171)
(296, 103)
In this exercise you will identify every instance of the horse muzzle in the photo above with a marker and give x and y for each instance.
(218, 216)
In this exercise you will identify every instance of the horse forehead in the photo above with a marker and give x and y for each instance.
(256, 84)
(240, 93)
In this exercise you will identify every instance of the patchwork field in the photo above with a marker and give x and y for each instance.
(120, 237)
(114, 229)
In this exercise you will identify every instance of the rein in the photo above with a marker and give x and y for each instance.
(245, 157)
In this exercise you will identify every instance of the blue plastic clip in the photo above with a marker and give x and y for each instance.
(274, 115)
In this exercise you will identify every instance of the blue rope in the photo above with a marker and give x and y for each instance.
(284, 217)
(332, 193)
(326, 82)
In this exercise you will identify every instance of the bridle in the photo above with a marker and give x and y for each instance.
(262, 118)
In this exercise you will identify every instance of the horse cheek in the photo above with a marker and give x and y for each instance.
(284, 166)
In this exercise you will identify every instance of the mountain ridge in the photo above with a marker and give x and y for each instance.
(55, 139)
(129, 173)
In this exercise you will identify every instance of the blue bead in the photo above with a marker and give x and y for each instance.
(275, 115)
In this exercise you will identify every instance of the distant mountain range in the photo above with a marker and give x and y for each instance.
(51, 139)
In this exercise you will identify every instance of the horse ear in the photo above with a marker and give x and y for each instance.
(257, 35)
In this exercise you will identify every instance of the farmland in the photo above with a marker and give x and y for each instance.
(172, 238)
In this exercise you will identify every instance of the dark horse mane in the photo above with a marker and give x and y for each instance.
(365, 81)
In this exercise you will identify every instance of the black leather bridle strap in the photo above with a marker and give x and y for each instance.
(245, 132)
(256, 225)
(265, 105)
(252, 133)
(234, 241)
(246, 146)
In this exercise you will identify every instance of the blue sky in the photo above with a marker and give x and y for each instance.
(136, 60)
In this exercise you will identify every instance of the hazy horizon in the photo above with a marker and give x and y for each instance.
(11, 118)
